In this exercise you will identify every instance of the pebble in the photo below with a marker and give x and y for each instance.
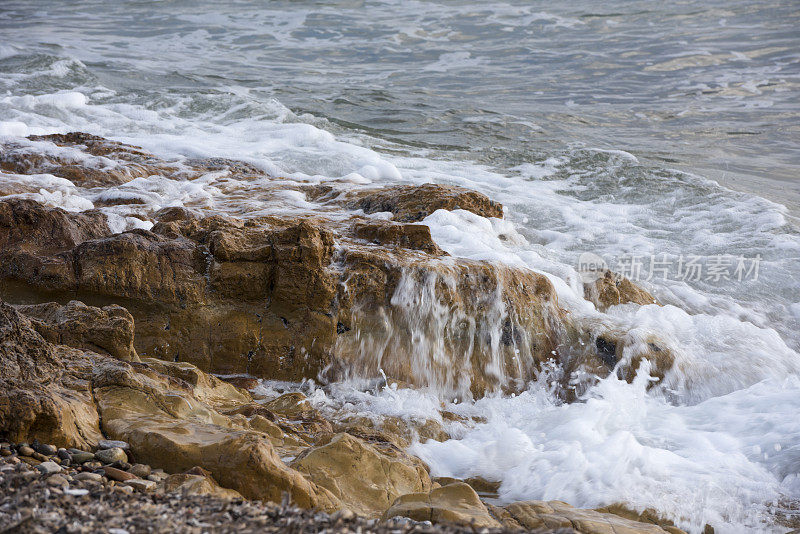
(44, 448)
(140, 470)
(93, 477)
(117, 474)
(123, 489)
(82, 457)
(57, 481)
(24, 450)
(76, 492)
(39, 456)
(141, 485)
(109, 456)
(64, 454)
(48, 468)
(113, 444)
(5, 452)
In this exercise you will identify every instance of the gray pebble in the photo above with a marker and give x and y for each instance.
(48, 468)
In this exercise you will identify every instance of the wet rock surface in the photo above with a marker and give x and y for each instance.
(107, 405)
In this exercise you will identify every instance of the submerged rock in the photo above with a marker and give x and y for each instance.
(611, 289)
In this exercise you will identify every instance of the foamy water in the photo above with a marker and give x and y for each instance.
(608, 143)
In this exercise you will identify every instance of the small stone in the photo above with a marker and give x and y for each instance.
(39, 456)
(140, 470)
(82, 457)
(94, 477)
(123, 489)
(57, 481)
(92, 465)
(113, 444)
(30, 461)
(118, 474)
(109, 456)
(76, 492)
(44, 448)
(64, 454)
(48, 468)
(5, 452)
(24, 450)
(141, 485)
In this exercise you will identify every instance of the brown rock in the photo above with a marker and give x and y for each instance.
(611, 289)
(118, 474)
(411, 203)
(455, 503)
(44, 395)
(106, 331)
(365, 478)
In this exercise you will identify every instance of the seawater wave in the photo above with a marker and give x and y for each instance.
(717, 440)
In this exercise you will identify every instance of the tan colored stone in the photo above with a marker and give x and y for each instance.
(366, 479)
(190, 484)
(455, 503)
(169, 428)
(556, 514)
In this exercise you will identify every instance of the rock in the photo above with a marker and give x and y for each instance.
(127, 162)
(44, 391)
(81, 457)
(25, 450)
(87, 476)
(610, 289)
(141, 485)
(556, 514)
(118, 474)
(648, 516)
(189, 484)
(57, 481)
(105, 444)
(140, 470)
(48, 468)
(109, 456)
(287, 298)
(107, 330)
(455, 503)
(411, 203)
(169, 428)
(64, 455)
(365, 478)
(44, 448)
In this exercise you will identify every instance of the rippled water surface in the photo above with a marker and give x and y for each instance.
(617, 128)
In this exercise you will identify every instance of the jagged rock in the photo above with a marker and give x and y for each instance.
(411, 203)
(366, 479)
(102, 163)
(648, 516)
(290, 297)
(43, 395)
(455, 503)
(107, 330)
(611, 289)
(556, 515)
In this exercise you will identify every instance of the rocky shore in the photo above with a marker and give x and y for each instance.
(133, 336)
